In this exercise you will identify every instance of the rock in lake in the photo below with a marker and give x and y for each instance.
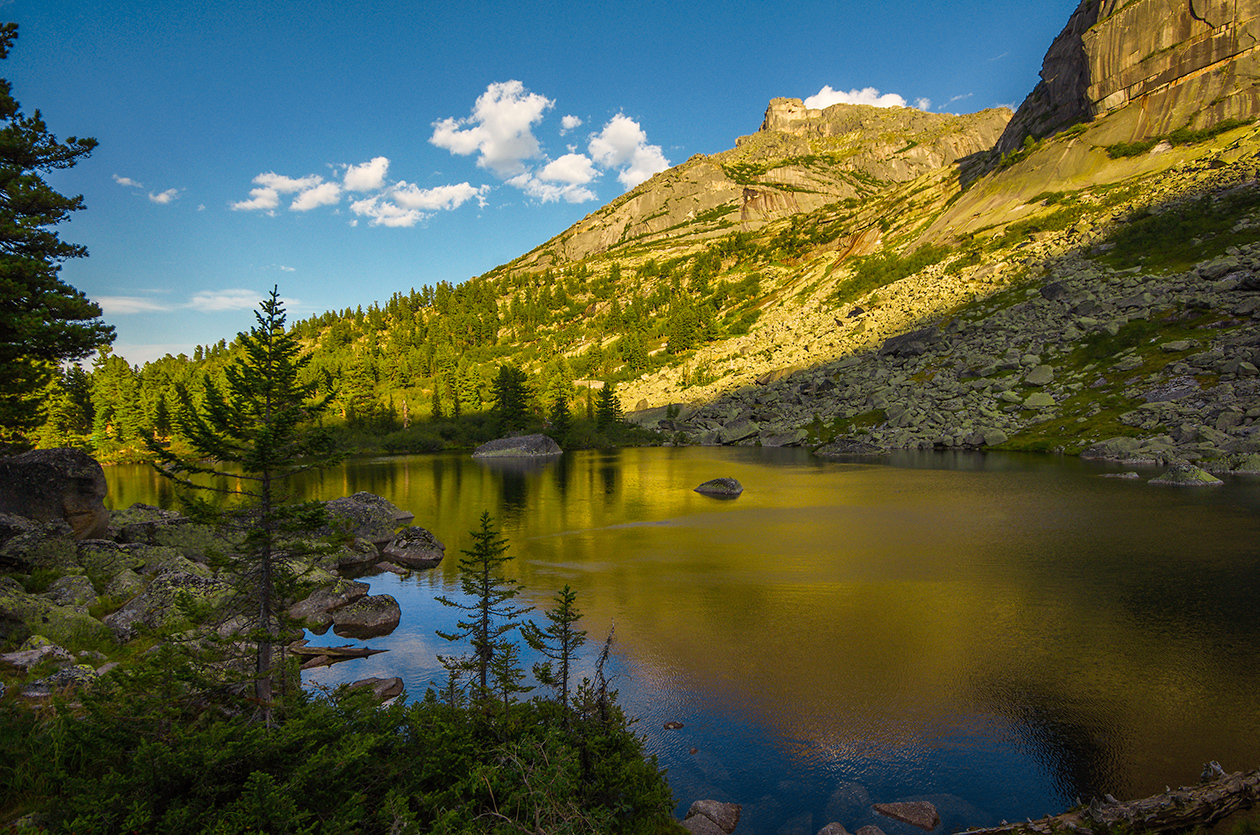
(367, 617)
(414, 548)
(721, 488)
(383, 689)
(52, 484)
(368, 516)
(918, 813)
(1186, 475)
(524, 446)
(710, 815)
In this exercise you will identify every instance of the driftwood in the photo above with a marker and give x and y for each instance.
(1172, 811)
(335, 653)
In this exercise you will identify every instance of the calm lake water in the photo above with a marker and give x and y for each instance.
(1002, 634)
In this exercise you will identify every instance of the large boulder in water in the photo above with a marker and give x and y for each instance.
(414, 548)
(1186, 475)
(524, 446)
(368, 516)
(710, 815)
(367, 617)
(721, 488)
(56, 484)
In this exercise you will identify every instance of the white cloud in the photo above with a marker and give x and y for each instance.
(569, 123)
(287, 185)
(575, 169)
(406, 204)
(923, 104)
(283, 268)
(264, 199)
(367, 176)
(623, 142)
(499, 129)
(164, 197)
(826, 97)
(127, 181)
(412, 196)
(550, 192)
(124, 305)
(325, 194)
(959, 98)
(217, 301)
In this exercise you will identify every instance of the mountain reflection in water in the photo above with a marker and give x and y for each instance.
(1001, 633)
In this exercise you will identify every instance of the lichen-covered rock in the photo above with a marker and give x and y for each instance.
(124, 584)
(34, 651)
(23, 615)
(722, 488)
(356, 554)
(738, 430)
(162, 603)
(104, 560)
(56, 484)
(71, 590)
(848, 446)
(383, 689)
(415, 547)
(151, 559)
(1113, 449)
(141, 523)
(523, 446)
(47, 546)
(65, 680)
(1186, 475)
(366, 515)
(11, 525)
(367, 617)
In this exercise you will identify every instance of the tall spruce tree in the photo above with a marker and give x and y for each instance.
(608, 409)
(491, 614)
(510, 399)
(254, 437)
(43, 320)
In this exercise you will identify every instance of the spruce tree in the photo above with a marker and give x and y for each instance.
(559, 642)
(561, 420)
(261, 423)
(608, 409)
(510, 399)
(491, 613)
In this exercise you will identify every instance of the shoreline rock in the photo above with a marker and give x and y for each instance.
(521, 446)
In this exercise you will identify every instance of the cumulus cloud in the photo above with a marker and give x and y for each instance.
(287, 185)
(569, 123)
(551, 192)
(164, 197)
(367, 176)
(826, 97)
(923, 104)
(127, 181)
(574, 169)
(406, 204)
(260, 199)
(500, 128)
(623, 144)
(324, 194)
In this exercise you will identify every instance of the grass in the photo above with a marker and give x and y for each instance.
(883, 268)
(1184, 233)
(1181, 136)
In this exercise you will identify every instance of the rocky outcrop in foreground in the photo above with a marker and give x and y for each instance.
(48, 485)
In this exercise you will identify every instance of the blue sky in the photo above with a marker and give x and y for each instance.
(346, 151)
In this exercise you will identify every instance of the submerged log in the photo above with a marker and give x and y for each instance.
(1172, 811)
(336, 653)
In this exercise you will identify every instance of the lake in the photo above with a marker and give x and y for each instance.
(1000, 633)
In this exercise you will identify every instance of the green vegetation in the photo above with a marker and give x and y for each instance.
(871, 272)
(1181, 136)
(1184, 233)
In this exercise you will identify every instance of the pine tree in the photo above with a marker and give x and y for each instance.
(260, 423)
(510, 399)
(561, 420)
(491, 614)
(559, 642)
(608, 409)
(43, 320)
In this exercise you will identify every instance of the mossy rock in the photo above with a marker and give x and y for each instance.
(23, 615)
(172, 598)
(1186, 475)
(74, 590)
(50, 546)
(104, 560)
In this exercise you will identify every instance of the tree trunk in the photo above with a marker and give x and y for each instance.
(1174, 810)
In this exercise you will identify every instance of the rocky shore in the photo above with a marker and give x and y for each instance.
(67, 596)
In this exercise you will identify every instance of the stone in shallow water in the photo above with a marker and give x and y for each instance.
(724, 815)
(367, 617)
(918, 813)
(722, 488)
(415, 548)
(1186, 475)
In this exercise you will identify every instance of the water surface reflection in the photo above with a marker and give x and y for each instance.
(1010, 631)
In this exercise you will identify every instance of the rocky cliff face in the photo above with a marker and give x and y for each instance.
(1180, 61)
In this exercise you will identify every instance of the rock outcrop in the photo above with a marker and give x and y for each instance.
(721, 488)
(367, 516)
(367, 617)
(56, 484)
(414, 548)
(1186, 62)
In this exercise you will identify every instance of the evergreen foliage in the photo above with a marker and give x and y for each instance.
(559, 642)
(43, 320)
(608, 409)
(510, 399)
(261, 424)
(491, 614)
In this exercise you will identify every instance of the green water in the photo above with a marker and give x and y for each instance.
(1004, 633)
